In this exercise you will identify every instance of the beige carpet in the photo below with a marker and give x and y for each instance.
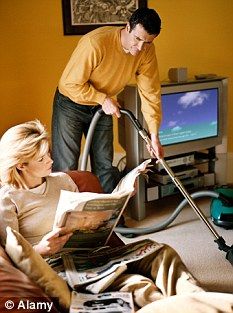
(192, 240)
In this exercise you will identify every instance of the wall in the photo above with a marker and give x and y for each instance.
(195, 34)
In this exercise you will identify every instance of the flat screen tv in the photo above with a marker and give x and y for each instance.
(193, 116)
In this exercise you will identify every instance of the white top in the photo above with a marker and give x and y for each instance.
(32, 212)
(39, 189)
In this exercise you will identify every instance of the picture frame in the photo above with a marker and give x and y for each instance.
(82, 16)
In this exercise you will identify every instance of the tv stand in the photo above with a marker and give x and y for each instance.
(203, 173)
(209, 157)
(210, 162)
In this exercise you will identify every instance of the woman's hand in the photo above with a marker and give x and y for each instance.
(52, 242)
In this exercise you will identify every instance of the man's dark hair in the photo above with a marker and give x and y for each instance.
(148, 18)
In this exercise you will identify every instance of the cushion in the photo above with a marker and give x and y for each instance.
(35, 267)
(86, 181)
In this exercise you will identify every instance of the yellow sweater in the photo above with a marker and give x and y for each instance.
(99, 67)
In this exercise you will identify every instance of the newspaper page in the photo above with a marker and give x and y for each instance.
(93, 216)
(103, 283)
(88, 268)
(102, 303)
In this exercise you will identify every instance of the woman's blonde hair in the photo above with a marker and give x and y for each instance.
(20, 144)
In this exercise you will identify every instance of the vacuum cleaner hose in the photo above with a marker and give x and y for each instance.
(156, 227)
(83, 166)
(162, 225)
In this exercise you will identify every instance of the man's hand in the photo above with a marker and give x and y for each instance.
(111, 107)
(157, 147)
(52, 242)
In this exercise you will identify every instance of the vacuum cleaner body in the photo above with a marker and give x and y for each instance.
(221, 208)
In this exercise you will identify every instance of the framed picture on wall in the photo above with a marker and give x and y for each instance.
(82, 16)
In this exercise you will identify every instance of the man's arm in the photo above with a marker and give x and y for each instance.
(157, 147)
(150, 93)
(75, 81)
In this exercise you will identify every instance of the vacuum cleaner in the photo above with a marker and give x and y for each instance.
(221, 208)
(222, 199)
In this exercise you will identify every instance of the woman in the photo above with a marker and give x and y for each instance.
(28, 201)
(30, 193)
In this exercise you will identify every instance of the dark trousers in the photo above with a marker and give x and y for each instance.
(70, 122)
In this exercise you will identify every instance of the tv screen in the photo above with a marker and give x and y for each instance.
(189, 116)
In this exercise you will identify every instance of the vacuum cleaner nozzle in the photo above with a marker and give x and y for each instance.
(224, 247)
(229, 255)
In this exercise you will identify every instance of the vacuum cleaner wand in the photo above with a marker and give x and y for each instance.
(218, 239)
(187, 198)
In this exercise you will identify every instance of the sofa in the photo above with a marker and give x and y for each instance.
(17, 284)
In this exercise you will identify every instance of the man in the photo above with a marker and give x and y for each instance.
(103, 63)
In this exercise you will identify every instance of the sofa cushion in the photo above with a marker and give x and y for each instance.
(86, 181)
(35, 267)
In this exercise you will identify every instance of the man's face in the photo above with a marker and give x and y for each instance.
(138, 39)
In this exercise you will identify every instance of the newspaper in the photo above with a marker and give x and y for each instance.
(99, 266)
(102, 303)
(93, 216)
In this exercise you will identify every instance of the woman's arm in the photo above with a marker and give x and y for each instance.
(8, 215)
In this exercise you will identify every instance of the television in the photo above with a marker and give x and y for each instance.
(194, 118)
(194, 114)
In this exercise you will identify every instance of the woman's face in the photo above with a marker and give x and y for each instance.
(40, 166)
(36, 169)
